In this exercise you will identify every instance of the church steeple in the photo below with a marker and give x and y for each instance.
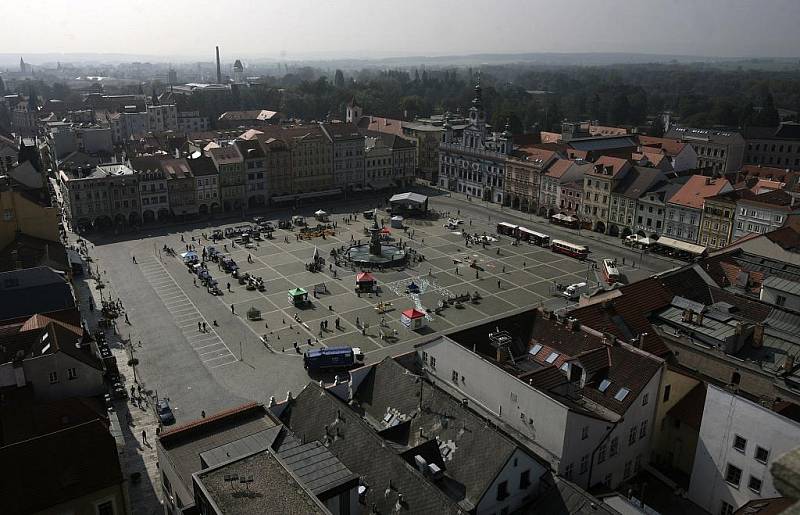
(477, 116)
(154, 99)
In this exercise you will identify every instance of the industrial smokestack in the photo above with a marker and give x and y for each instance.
(219, 72)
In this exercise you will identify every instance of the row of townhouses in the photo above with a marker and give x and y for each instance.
(248, 170)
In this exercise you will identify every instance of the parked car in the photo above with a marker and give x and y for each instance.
(165, 412)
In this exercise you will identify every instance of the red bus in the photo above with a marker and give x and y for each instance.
(537, 238)
(610, 272)
(507, 229)
(570, 249)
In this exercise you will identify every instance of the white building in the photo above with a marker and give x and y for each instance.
(476, 163)
(584, 403)
(191, 121)
(739, 440)
(763, 213)
(781, 292)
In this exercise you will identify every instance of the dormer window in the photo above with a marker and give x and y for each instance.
(604, 384)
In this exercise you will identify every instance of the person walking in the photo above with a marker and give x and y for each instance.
(144, 438)
(232, 311)
(203, 413)
(200, 326)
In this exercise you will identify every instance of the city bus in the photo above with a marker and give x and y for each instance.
(537, 238)
(507, 229)
(610, 272)
(570, 249)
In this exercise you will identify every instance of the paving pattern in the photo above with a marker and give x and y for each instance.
(211, 349)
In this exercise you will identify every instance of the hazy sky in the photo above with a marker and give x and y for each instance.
(355, 28)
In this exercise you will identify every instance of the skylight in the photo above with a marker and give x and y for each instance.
(604, 384)
(621, 394)
(565, 367)
(535, 350)
(552, 357)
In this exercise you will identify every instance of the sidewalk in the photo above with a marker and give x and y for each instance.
(138, 460)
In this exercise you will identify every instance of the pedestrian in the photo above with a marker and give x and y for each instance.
(358, 322)
(144, 433)
(476, 274)
(200, 326)
(134, 259)
(232, 311)
(498, 284)
(524, 264)
(126, 319)
(229, 286)
(205, 329)
(194, 281)
(203, 413)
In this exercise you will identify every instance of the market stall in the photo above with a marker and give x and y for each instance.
(298, 297)
(413, 319)
(365, 282)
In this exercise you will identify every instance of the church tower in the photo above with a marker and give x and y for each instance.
(354, 111)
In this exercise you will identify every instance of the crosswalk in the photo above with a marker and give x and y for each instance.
(211, 349)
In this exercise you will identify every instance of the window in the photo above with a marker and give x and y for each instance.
(627, 472)
(585, 432)
(614, 447)
(601, 454)
(524, 479)
(645, 399)
(739, 443)
(552, 357)
(608, 479)
(584, 464)
(621, 394)
(53, 377)
(513, 397)
(754, 484)
(733, 475)
(106, 508)
(569, 470)
(632, 436)
(780, 300)
(502, 490)
(72, 373)
(725, 509)
(455, 376)
(736, 378)
(424, 356)
(762, 454)
(643, 429)
(433, 362)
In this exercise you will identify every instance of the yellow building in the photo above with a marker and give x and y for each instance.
(24, 211)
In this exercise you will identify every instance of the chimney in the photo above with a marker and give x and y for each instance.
(758, 336)
(642, 336)
(700, 318)
(788, 364)
(709, 180)
(219, 71)
(421, 464)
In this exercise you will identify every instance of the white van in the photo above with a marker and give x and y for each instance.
(573, 291)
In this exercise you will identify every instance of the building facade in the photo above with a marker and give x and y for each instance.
(598, 184)
(206, 184)
(191, 121)
(763, 213)
(475, 163)
(685, 207)
(717, 221)
(771, 146)
(524, 170)
(232, 177)
(153, 190)
(180, 187)
(255, 167)
(348, 154)
(739, 440)
(722, 151)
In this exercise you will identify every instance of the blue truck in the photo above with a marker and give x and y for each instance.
(332, 357)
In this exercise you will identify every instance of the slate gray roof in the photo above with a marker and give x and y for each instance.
(185, 443)
(274, 489)
(29, 291)
(473, 454)
(361, 450)
(565, 498)
(602, 143)
(638, 181)
(250, 444)
(318, 469)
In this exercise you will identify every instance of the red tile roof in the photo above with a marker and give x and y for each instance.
(559, 168)
(696, 189)
(617, 165)
(670, 146)
(208, 422)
